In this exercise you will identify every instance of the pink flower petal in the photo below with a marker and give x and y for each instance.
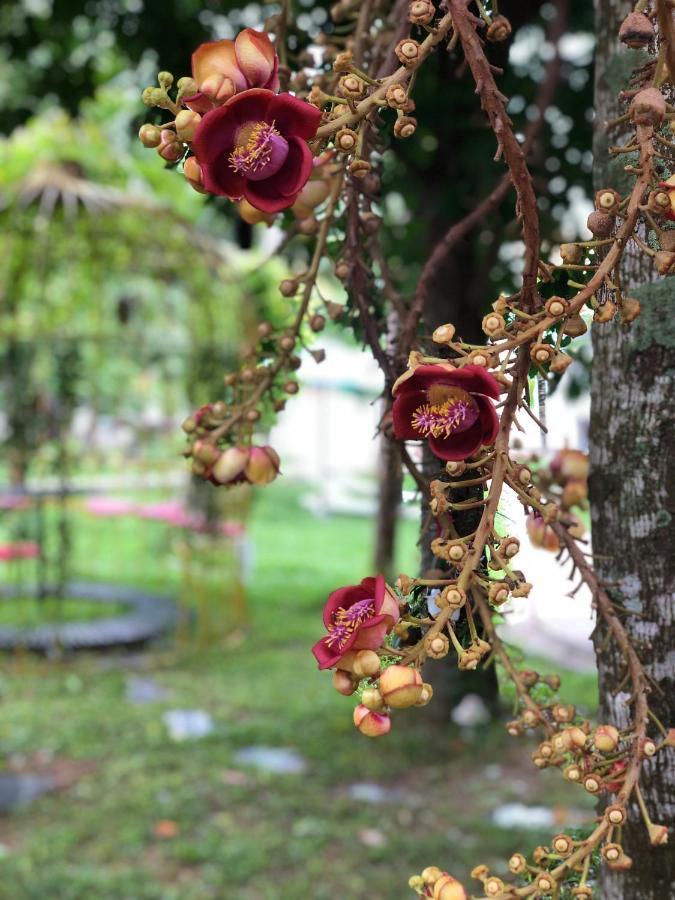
(474, 379)
(217, 58)
(459, 445)
(488, 419)
(255, 56)
(215, 136)
(405, 404)
(294, 117)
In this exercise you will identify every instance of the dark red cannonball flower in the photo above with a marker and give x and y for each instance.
(357, 617)
(255, 146)
(450, 407)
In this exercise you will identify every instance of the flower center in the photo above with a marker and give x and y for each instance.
(346, 621)
(449, 409)
(260, 152)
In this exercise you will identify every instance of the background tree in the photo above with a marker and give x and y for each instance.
(632, 486)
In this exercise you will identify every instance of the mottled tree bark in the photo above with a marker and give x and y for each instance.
(632, 489)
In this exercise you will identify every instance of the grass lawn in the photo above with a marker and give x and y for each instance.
(152, 819)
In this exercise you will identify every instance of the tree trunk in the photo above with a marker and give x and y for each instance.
(632, 491)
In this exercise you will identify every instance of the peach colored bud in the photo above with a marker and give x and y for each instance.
(612, 852)
(541, 535)
(431, 874)
(571, 254)
(421, 12)
(615, 814)
(622, 864)
(451, 596)
(578, 737)
(408, 52)
(493, 324)
(498, 592)
(592, 784)
(186, 124)
(437, 646)
(230, 464)
(562, 844)
(606, 738)
(366, 663)
(564, 712)
(170, 148)
(193, 174)
(345, 140)
(493, 886)
(427, 694)
(343, 683)
(517, 864)
(372, 698)
(541, 353)
(401, 686)
(648, 747)
(448, 888)
(499, 30)
(312, 195)
(545, 883)
(556, 306)
(262, 466)
(658, 835)
(370, 723)
(607, 200)
(405, 127)
(150, 135)
(218, 87)
(572, 773)
(443, 334)
(255, 56)
(251, 215)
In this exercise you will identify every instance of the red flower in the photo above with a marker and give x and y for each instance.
(357, 618)
(255, 146)
(222, 69)
(449, 407)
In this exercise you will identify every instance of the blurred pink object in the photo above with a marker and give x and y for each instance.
(171, 511)
(109, 506)
(19, 550)
(14, 501)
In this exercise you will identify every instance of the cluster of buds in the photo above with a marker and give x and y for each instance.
(235, 464)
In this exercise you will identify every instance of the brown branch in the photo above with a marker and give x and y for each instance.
(493, 103)
(459, 229)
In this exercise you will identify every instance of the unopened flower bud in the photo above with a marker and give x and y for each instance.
(605, 313)
(218, 87)
(308, 226)
(400, 686)
(541, 353)
(658, 202)
(150, 135)
(426, 695)
(499, 30)
(345, 140)
(448, 888)
(371, 723)
(436, 645)
(343, 61)
(607, 200)
(612, 852)
(343, 682)
(572, 773)
(408, 52)
(443, 334)
(421, 12)
(452, 596)
(431, 874)
(493, 324)
(560, 362)
(658, 834)
(186, 124)
(359, 168)
(493, 886)
(591, 783)
(370, 222)
(169, 147)
(405, 127)
(193, 174)
(372, 698)
(615, 814)
(351, 86)
(556, 306)
(288, 287)
(366, 663)
(396, 96)
(342, 269)
(187, 86)
(571, 253)
(498, 593)
(606, 738)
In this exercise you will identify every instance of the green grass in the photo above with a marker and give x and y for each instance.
(27, 612)
(248, 835)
